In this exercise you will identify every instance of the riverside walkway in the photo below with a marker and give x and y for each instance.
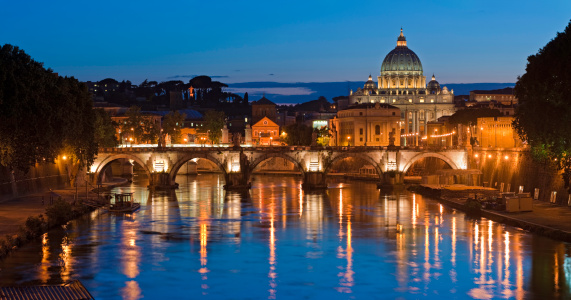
(546, 219)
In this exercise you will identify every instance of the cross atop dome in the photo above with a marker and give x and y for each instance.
(401, 41)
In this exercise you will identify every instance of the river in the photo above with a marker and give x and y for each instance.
(279, 242)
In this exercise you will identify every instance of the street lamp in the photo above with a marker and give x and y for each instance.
(349, 141)
(481, 136)
(271, 140)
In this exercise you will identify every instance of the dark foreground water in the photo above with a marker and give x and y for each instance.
(278, 242)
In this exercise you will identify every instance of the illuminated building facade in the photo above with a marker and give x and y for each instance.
(366, 125)
(266, 132)
(401, 83)
(497, 132)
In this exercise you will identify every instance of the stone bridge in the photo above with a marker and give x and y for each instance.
(238, 163)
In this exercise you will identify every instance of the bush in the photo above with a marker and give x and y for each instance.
(473, 207)
(35, 226)
(59, 213)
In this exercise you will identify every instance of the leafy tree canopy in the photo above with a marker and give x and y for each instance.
(298, 134)
(543, 117)
(213, 123)
(172, 125)
(42, 114)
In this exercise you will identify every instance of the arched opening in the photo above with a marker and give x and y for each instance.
(275, 168)
(122, 169)
(352, 167)
(193, 169)
(427, 168)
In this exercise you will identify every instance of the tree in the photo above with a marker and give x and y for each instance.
(543, 117)
(172, 125)
(323, 136)
(213, 123)
(42, 113)
(133, 128)
(298, 134)
(104, 129)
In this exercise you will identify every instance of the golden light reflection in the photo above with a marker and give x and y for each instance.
(506, 281)
(453, 259)
(272, 273)
(300, 201)
(413, 211)
(43, 270)
(131, 290)
(426, 252)
(130, 252)
(65, 257)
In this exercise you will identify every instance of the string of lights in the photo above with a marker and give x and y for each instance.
(409, 134)
(443, 135)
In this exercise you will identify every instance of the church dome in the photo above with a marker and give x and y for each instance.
(401, 60)
(370, 84)
(433, 86)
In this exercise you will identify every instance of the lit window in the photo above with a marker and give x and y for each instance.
(382, 100)
(431, 100)
(421, 100)
(410, 100)
(394, 100)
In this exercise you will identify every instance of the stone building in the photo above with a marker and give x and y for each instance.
(263, 108)
(402, 83)
(266, 132)
(497, 132)
(366, 125)
(504, 96)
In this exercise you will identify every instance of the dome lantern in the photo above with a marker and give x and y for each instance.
(401, 60)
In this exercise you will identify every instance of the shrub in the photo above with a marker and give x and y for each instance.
(59, 213)
(473, 207)
(35, 225)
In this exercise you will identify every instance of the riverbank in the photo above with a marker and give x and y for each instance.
(547, 219)
(23, 219)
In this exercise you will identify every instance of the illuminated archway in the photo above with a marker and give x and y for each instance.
(425, 155)
(181, 162)
(361, 156)
(97, 171)
(265, 157)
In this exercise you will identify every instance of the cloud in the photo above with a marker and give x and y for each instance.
(192, 76)
(284, 91)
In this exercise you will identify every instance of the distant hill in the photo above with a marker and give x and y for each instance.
(299, 92)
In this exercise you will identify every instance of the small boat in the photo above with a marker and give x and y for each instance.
(124, 203)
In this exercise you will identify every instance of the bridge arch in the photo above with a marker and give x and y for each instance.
(257, 161)
(362, 156)
(184, 159)
(109, 159)
(420, 156)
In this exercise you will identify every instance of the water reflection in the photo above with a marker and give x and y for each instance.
(350, 241)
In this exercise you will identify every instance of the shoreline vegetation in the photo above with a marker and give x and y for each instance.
(57, 214)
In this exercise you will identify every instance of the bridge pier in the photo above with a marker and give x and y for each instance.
(314, 181)
(391, 180)
(236, 181)
(161, 181)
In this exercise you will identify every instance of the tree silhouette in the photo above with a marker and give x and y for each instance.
(543, 117)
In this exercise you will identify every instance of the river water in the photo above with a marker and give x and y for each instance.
(278, 242)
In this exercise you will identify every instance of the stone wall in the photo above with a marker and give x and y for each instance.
(39, 178)
(517, 168)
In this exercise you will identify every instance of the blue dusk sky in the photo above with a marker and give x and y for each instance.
(281, 41)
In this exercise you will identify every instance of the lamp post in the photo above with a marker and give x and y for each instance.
(349, 141)
(481, 136)
(271, 140)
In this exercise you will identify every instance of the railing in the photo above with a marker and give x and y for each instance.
(281, 148)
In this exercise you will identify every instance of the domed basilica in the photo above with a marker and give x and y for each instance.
(401, 83)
